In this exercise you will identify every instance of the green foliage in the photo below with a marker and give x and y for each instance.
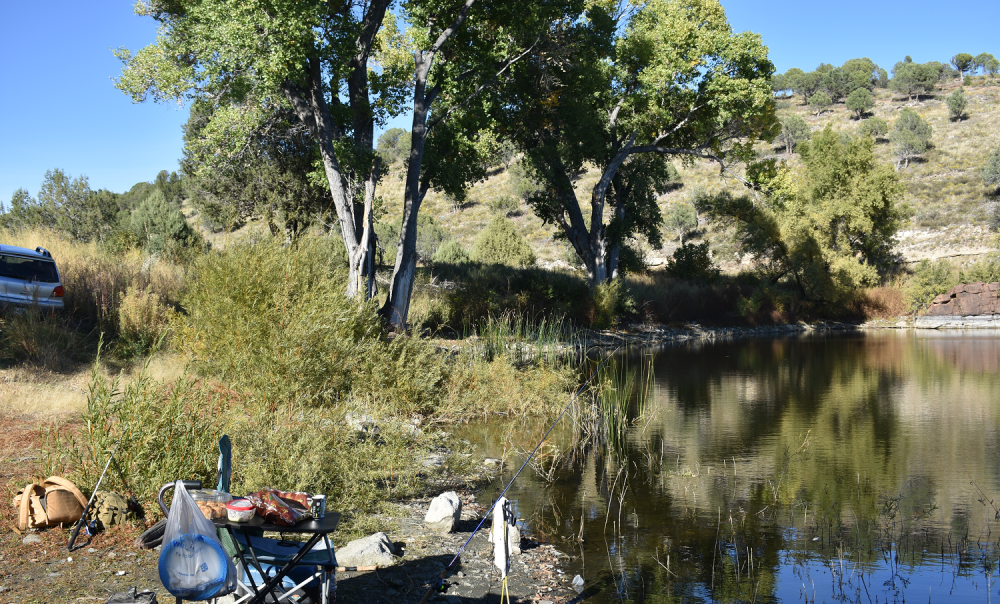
(929, 280)
(692, 262)
(160, 226)
(430, 236)
(262, 317)
(820, 102)
(394, 145)
(992, 66)
(451, 252)
(981, 60)
(829, 235)
(874, 127)
(680, 218)
(143, 320)
(956, 104)
(505, 205)
(990, 172)
(611, 302)
(171, 431)
(838, 83)
(794, 130)
(962, 62)
(273, 179)
(653, 64)
(520, 181)
(492, 290)
(863, 73)
(914, 79)
(501, 243)
(860, 102)
(910, 135)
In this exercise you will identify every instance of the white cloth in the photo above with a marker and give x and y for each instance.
(500, 533)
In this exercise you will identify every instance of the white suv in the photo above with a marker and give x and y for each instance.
(29, 278)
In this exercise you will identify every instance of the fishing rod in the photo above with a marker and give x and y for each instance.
(576, 395)
(83, 517)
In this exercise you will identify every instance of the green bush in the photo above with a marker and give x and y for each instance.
(692, 262)
(451, 252)
(860, 102)
(270, 319)
(160, 226)
(504, 205)
(430, 236)
(874, 127)
(611, 302)
(990, 172)
(171, 431)
(143, 319)
(929, 279)
(820, 102)
(501, 243)
(956, 104)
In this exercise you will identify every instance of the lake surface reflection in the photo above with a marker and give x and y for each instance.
(855, 468)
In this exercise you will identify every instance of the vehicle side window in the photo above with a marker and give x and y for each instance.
(28, 269)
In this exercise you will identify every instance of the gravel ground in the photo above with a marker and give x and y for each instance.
(36, 567)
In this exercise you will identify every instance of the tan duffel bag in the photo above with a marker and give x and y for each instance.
(56, 501)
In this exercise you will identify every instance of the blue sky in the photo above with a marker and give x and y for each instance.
(60, 109)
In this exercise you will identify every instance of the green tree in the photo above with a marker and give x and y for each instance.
(990, 172)
(160, 226)
(956, 104)
(68, 204)
(273, 180)
(669, 80)
(807, 84)
(862, 73)
(910, 136)
(830, 234)
(394, 145)
(454, 102)
(794, 129)
(820, 102)
(24, 212)
(839, 83)
(779, 84)
(501, 243)
(692, 262)
(874, 127)
(991, 67)
(981, 60)
(301, 56)
(451, 252)
(681, 218)
(962, 62)
(914, 79)
(860, 102)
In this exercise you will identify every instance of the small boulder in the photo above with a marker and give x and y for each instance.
(31, 539)
(444, 512)
(374, 550)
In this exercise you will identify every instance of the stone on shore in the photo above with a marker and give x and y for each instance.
(374, 550)
(444, 512)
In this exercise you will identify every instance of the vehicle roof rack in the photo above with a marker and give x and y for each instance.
(43, 252)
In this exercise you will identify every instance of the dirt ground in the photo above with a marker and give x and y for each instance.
(36, 567)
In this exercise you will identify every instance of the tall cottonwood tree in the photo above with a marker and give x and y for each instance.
(628, 90)
(253, 59)
(463, 52)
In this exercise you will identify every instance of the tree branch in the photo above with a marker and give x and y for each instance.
(484, 85)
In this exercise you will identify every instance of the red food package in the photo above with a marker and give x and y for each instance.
(281, 507)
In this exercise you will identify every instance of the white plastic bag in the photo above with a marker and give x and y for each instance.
(193, 565)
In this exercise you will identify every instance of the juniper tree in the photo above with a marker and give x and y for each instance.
(860, 102)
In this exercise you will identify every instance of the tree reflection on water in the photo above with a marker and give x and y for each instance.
(829, 468)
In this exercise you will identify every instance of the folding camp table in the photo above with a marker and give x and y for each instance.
(287, 555)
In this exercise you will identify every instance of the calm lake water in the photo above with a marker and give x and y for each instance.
(848, 468)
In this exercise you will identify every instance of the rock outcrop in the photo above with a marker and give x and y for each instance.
(966, 306)
(967, 300)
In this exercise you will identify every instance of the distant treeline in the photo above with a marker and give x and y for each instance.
(908, 78)
(148, 216)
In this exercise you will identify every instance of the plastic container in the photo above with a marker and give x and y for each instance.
(240, 510)
(212, 503)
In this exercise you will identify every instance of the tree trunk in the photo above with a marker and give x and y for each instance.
(397, 305)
